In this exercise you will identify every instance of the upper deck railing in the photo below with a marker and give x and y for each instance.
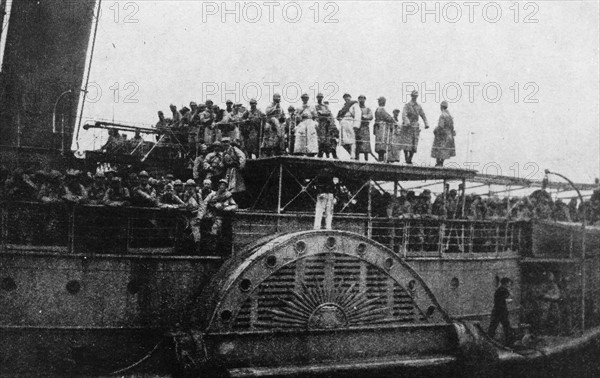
(87, 229)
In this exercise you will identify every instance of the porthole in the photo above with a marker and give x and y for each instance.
(412, 285)
(245, 284)
(271, 261)
(331, 242)
(300, 247)
(226, 316)
(8, 284)
(361, 249)
(133, 287)
(389, 262)
(430, 310)
(73, 287)
(454, 283)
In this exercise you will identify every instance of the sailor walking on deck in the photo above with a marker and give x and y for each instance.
(409, 134)
(443, 143)
(500, 311)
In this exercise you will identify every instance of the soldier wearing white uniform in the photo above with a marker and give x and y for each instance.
(350, 118)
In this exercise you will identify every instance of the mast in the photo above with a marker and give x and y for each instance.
(89, 69)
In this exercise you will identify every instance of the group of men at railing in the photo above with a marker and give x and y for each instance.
(221, 168)
(310, 130)
(208, 205)
(454, 204)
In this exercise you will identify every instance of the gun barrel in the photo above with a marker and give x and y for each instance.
(120, 126)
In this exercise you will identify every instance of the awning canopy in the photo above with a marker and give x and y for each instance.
(516, 182)
(310, 167)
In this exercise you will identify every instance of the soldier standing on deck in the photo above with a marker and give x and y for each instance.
(274, 113)
(206, 132)
(409, 134)
(251, 129)
(383, 129)
(327, 132)
(443, 143)
(290, 130)
(350, 118)
(362, 134)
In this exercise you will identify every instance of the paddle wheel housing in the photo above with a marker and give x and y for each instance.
(321, 300)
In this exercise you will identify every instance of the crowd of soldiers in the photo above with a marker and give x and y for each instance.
(310, 129)
(114, 189)
(453, 204)
(209, 203)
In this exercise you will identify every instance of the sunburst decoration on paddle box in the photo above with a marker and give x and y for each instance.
(318, 307)
(328, 291)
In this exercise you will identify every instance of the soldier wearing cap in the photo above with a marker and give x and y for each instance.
(273, 138)
(114, 143)
(176, 116)
(228, 107)
(214, 167)
(178, 187)
(423, 204)
(229, 125)
(350, 119)
(206, 117)
(162, 121)
(144, 194)
(252, 128)
(198, 168)
(409, 133)
(169, 178)
(190, 195)
(363, 133)
(97, 189)
(327, 131)
(50, 190)
(305, 108)
(306, 139)
(290, 130)
(234, 160)
(206, 189)
(194, 203)
(116, 194)
(274, 112)
(185, 116)
(169, 199)
(220, 206)
(193, 118)
(193, 111)
(383, 129)
(73, 190)
(443, 143)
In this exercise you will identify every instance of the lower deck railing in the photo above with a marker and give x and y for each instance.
(131, 230)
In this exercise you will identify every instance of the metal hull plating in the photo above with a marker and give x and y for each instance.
(68, 309)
